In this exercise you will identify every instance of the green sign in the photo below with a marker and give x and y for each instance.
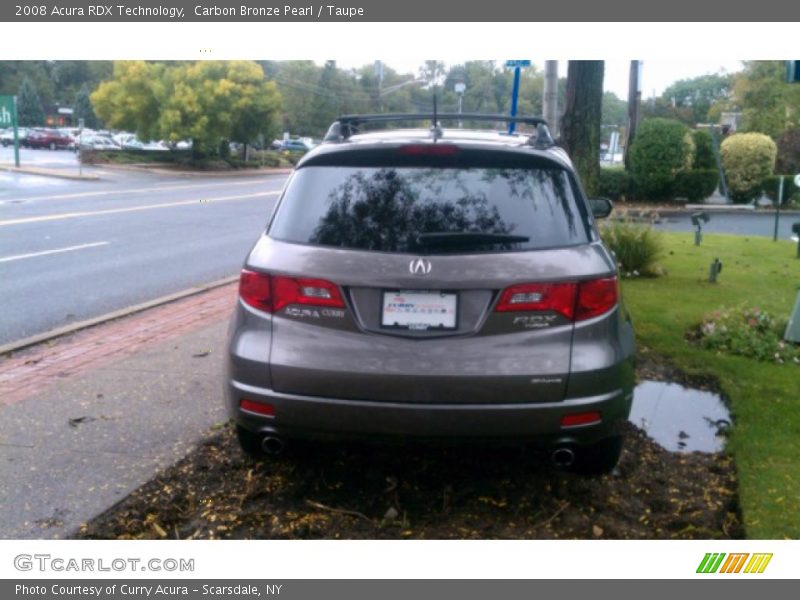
(8, 119)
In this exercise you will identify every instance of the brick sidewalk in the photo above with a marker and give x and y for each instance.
(30, 371)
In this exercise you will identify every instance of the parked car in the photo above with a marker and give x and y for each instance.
(97, 142)
(294, 145)
(7, 137)
(136, 144)
(48, 138)
(442, 283)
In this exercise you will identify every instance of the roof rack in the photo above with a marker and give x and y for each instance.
(348, 125)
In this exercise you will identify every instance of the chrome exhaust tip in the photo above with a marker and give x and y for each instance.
(272, 445)
(563, 457)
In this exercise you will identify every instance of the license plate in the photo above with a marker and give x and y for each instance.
(419, 310)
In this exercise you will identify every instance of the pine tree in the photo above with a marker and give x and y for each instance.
(29, 107)
(82, 109)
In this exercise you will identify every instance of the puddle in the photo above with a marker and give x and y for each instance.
(680, 419)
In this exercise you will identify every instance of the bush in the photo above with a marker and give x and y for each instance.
(703, 151)
(771, 186)
(636, 247)
(747, 331)
(788, 152)
(615, 183)
(696, 185)
(748, 159)
(662, 149)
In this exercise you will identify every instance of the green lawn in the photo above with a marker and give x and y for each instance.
(764, 398)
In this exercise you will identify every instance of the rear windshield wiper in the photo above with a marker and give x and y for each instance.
(468, 238)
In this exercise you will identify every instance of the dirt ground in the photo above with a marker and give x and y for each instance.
(356, 492)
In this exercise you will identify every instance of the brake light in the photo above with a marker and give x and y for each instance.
(429, 150)
(311, 292)
(271, 293)
(576, 301)
(596, 297)
(557, 297)
(255, 289)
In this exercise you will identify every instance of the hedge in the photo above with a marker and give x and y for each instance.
(748, 159)
(662, 149)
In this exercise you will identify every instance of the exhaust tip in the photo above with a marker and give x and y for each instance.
(563, 457)
(272, 445)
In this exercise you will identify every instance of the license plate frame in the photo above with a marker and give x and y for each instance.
(422, 315)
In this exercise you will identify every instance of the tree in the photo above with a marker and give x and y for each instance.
(205, 101)
(698, 95)
(580, 127)
(29, 107)
(614, 111)
(768, 104)
(82, 109)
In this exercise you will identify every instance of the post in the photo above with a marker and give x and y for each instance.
(778, 210)
(16, 134)
(514, 96)
(634, 100)
(550, 96)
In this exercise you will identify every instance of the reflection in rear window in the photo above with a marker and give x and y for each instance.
(430, 210)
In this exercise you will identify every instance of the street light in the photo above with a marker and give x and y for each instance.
(460, 88)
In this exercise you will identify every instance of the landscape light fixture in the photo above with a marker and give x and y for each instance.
(698, 218)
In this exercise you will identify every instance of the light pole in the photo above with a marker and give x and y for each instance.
(460, 88)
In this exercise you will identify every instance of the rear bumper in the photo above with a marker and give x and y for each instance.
(331, 418)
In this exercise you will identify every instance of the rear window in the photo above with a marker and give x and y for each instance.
(431, 210)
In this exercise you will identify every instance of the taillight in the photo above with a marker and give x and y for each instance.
(575, 301)
(271, 293)
(311, 292)
(584, 418)
(556, 297)
(255, 289)
(596, 297)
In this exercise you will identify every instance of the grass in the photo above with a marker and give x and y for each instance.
(764, 398)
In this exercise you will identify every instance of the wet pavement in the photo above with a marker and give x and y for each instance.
(680, 419)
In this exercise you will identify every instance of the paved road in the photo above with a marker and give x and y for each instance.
(750, 223)
(73, 250)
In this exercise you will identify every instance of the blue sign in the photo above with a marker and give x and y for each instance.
(518, 63)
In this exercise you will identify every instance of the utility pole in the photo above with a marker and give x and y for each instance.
(634, 102)
(550, 96)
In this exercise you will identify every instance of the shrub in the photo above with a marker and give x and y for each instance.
(703, 151)
(771, 186)
(637, 247)
(696, 185)
(748, 158)
(615, 183)
(788, 160)
(747, 331)
(662, 148)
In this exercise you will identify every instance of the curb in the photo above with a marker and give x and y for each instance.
(117, 314)
(48, 173)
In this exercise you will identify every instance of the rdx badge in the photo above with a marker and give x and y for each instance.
(535, 321)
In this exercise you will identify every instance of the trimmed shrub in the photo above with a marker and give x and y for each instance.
(615, 183)
(771, 187)
(703, 151)
(662, 149)
(636, 247)
(696, 185)
(748, 158)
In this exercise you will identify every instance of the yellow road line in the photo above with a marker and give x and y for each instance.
(113, 211)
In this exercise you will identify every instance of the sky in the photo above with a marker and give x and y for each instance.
(657, 75)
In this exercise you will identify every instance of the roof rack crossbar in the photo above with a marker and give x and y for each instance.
(347, 125)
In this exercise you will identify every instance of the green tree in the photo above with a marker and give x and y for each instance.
(580, 126)
(614, 111)
(205, 101)
(29, 107)
(82, 109)
(768, 104)
(698, 94)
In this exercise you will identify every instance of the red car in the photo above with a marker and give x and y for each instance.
(48, 138)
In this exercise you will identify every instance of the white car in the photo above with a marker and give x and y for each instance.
(98, 142)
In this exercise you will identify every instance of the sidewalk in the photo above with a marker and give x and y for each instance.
(88, 418)
(71, 173)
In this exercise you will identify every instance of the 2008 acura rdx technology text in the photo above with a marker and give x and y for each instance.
(433, 283)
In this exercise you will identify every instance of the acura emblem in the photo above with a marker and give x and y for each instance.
(419, 266)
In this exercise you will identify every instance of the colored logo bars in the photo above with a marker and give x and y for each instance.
(718, 563)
